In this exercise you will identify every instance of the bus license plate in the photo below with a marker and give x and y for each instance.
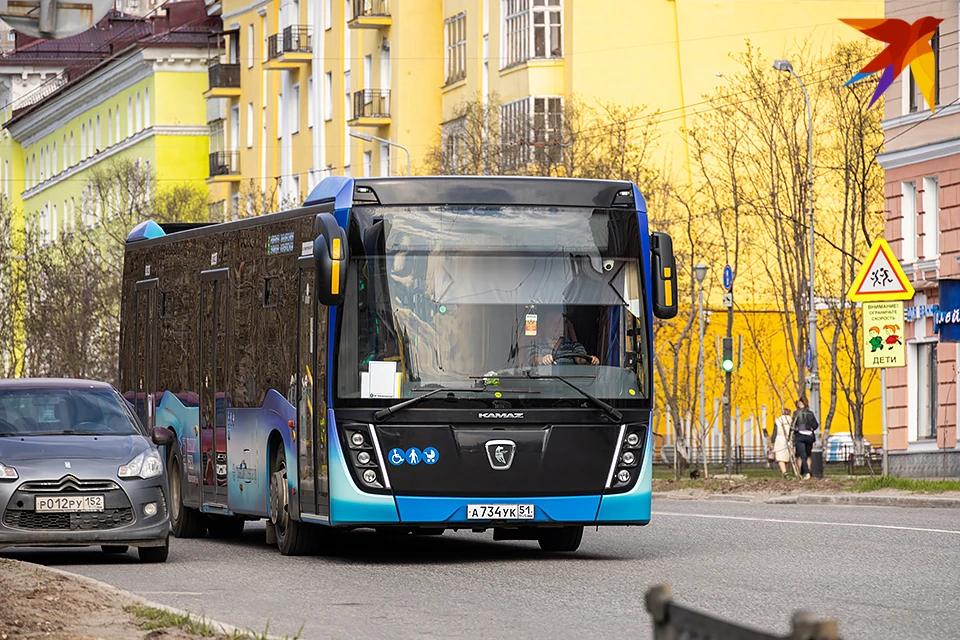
(70, 504)
(500, 512)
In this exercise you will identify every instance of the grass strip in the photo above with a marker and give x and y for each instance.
(905, 484)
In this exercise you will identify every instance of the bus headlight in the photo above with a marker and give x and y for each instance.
(356, 439)
(363, 457)
(623, 476)
(369, 476)
(633, 439)
(629, 458)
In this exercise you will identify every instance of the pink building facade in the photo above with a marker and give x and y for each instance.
(921, 160)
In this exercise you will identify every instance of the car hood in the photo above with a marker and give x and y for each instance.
(119, 449)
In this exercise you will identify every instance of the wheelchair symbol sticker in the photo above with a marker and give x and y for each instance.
(396, 457)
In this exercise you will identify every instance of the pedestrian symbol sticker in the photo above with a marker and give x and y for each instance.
(396, 457)
(880, 277)
(430, 455)
(414, 456)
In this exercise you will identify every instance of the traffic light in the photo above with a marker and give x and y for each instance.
(726, 360)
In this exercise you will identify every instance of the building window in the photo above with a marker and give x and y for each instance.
(129, 116)
(249, 46)
(455, 37)
(916, 98)
(63, 148)
(931, 218)
(41, 165)
(249, 125)
(139, 106)
(544, 18)
(328, 96)
(543, 132)
(53, 162)
(295, 188)
(146, 107)
(295, 109)
(310, 102)
(91, 149)
(327, 14)
(384, 159)
(99, 137)
(117, 125)
(346, 116)
(367, 164)
(279, 115)
(83, 141)
(72, 147)
(347, 33)
(908, 222)
(452, 136)
(547, 129)
(927, 386)
(109, 127)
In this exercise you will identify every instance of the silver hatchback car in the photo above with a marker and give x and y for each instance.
(78, 469)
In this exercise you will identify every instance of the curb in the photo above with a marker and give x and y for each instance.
(220, 627)
(879, 501)
(729, 497)
(667, 495)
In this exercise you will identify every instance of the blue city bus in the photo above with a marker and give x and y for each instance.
(405, 354)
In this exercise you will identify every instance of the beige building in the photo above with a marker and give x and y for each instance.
(921, 159)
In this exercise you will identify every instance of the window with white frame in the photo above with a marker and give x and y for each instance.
(547, 130)
(279, 115)
(42, 162)
(310, 102)
(54, 225)
(346, 116)
(129, 116)
(109, 127)
(931, 218)
(327, 14)
(531, 29)
(73, 146)
(534, 122)
(116, 137)
(927, 385)
(917, 101)
(99, 137)
(367, 164)
(249, 125)
(908, 222)
(452, 136)
(328, 96)
(384, 159)
(83, 141)
(53, 163)
(249, 45)
(347, 31)
(455, 39)
(139, 106)
(146, 107)
(295, 109)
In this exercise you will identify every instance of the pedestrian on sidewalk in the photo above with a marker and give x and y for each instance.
(780, 442)
(804, 425)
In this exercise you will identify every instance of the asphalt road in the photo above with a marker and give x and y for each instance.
(882, 572)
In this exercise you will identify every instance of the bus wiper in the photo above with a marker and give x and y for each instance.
(400, 406)
(607, 409)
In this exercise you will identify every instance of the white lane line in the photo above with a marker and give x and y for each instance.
(816, 522)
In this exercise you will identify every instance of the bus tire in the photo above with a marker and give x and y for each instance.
(293, 537)
(185, 522)
(562, 539)
(224, 527)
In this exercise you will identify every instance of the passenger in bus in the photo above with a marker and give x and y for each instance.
(556, 341)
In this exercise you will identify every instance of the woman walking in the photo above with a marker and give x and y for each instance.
(781, 441)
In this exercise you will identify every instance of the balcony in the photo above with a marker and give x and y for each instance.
(371, 108)
(370, 14)
(289, 49)
(225, 166)
(224, 80)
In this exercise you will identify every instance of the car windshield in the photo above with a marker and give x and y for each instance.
(44, 411)
(502, 297)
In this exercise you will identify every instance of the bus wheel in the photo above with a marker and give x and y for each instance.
(225, 526)
(292, 536)
(185, 521)
(562, 539)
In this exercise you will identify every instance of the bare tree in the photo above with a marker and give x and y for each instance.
(11, 292)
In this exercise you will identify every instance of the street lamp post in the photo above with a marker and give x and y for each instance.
(786, 67)
(700, 272)
(366, 137)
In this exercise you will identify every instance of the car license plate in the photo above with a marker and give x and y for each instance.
(500, 512)
(63, 504)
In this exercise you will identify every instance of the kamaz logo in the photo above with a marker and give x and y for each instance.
(501, 416)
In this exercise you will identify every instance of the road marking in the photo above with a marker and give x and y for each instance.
(171, 593)
(825, 524)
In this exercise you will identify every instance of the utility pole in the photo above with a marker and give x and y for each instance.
(700, 272)
(727, 398)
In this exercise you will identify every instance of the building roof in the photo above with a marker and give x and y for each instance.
(180, 24)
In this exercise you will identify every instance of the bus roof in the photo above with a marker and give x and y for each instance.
(344, 193)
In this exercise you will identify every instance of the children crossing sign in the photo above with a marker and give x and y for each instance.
(880, 277)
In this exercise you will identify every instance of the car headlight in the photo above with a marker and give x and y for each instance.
(146, 465)
(7, 473)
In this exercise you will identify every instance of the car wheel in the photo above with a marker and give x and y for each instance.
(154, 554)
(562, 539)
(293, 537)
(185, 521)
(114, 548)
(224, 527)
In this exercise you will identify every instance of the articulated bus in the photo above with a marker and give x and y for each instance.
(404, 354)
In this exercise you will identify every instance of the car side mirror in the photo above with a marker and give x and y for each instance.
(161, 436)
(330, 260)
(664, 276)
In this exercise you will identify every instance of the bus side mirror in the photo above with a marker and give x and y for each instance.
(330, 260)
(664, 276)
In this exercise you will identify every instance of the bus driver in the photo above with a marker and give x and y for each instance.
(556, 341)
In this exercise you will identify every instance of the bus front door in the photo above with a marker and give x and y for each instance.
(311, 407)
(214, 399)
(145, 348)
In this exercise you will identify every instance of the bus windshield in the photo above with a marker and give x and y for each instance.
(503, 298)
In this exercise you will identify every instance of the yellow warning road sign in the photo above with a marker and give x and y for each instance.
(883, 335)
(880, 277)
